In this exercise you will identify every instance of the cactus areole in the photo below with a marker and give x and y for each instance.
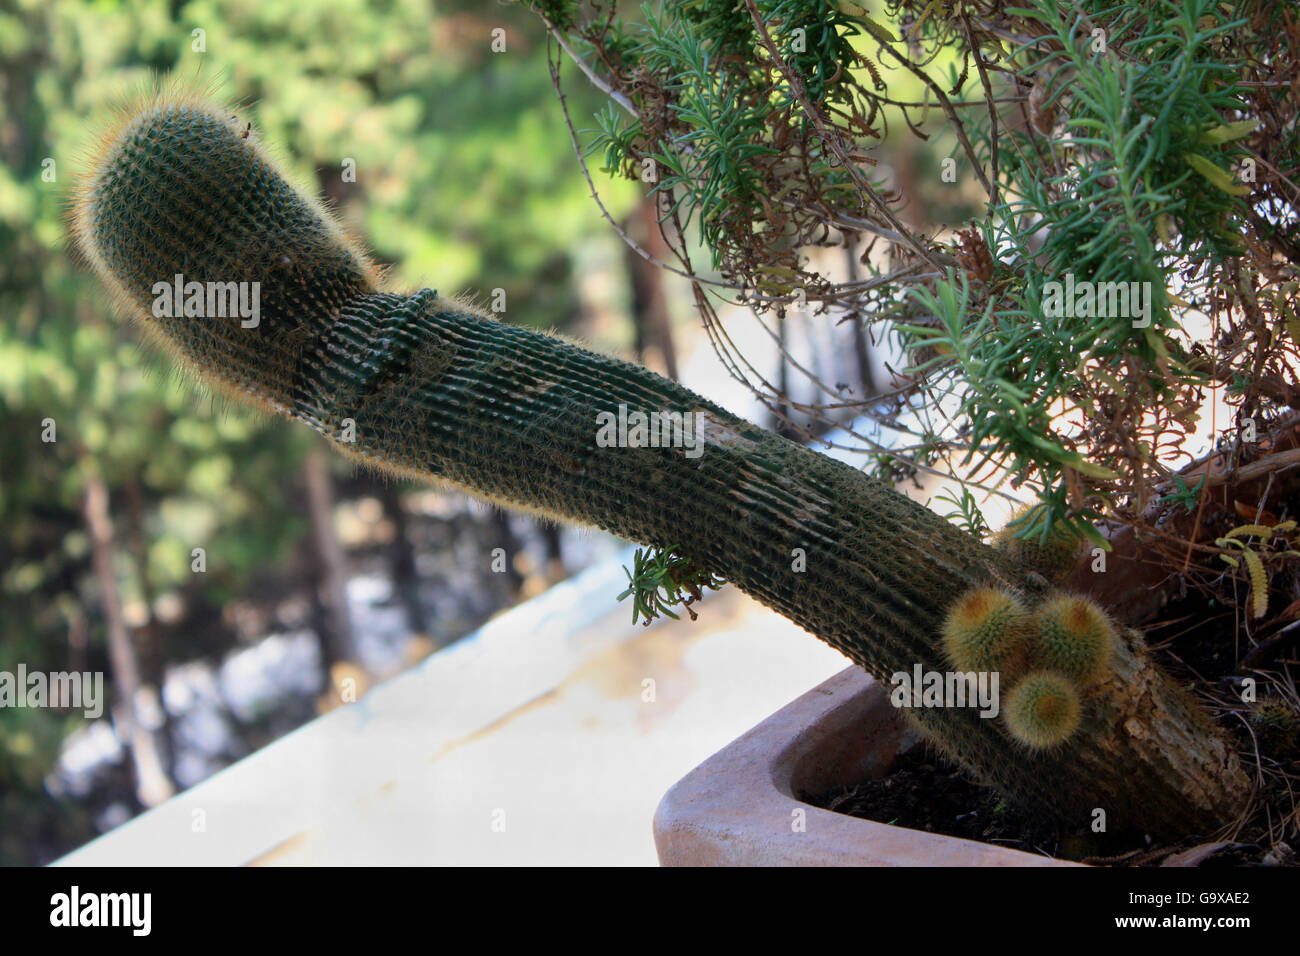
(426, 387)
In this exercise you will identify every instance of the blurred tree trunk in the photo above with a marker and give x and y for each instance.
(555, 570)
(780, 421)
(650, 319)
(152, 783)
(77, 638)
(328, 564)
(909, 182)
(406, 579)
(861, 348)
(503, 537)
(149, 636)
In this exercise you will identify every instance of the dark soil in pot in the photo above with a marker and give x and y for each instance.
(924, 792)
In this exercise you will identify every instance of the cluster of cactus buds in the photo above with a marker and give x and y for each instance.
(1050, 656)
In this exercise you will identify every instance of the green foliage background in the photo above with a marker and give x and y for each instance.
(464, 182)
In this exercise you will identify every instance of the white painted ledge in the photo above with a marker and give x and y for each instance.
(294, 784)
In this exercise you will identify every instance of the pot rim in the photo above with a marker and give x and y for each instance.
(740, 807)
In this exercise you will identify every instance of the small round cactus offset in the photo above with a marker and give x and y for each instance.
(1042, 710)
(988, 630)
(1074, 637)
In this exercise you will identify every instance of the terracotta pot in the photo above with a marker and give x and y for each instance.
(739, 808)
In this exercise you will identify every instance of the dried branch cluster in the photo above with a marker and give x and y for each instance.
(1120, 143)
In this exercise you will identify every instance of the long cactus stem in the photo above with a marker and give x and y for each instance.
(426, 387)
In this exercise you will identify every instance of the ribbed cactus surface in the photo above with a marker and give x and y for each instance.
(426, 387)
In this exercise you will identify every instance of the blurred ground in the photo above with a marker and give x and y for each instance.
(573, 778)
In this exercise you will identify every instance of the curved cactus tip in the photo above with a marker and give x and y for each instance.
(1042, 710)
(189, 222)
(1073, 636)
(988, 630)
(94, 157)
(174, 175)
